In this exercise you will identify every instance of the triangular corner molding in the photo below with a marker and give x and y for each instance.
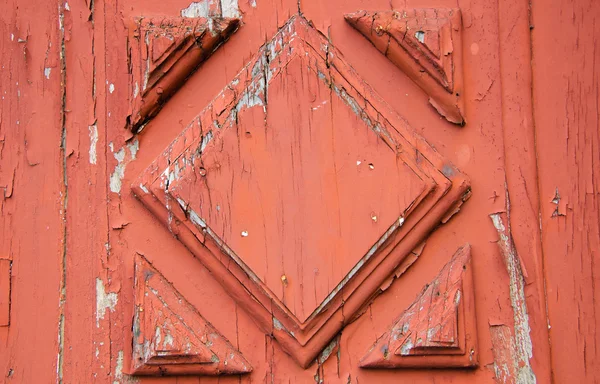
(438, 329)
(164, 52)
(426, 45)
(171, 337)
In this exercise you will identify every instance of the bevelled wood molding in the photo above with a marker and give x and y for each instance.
(438, 329)
(170, 337)
(426, 45)
(163, 53)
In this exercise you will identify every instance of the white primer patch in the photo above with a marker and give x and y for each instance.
(93, 141)
(104, 301)
(196, 9)
(119, 368)
(522, 330)
(47, 71)
(229, 8)
(116, 178)
(111, 88)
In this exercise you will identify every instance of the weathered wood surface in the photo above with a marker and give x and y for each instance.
(33, 202)
(566, 94)
(71, 229)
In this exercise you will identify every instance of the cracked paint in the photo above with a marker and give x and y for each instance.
(123, 156)
(523, 349)
(104, 301)
(93, 142)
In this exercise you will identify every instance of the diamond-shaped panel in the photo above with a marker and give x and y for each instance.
(301, 190)
(293, 188)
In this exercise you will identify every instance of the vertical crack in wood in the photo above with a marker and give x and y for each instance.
(64, 193)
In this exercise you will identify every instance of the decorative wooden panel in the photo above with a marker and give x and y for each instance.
(426, 44)
(163, 53)
(438, 330)
(300, 190)
(171, 337)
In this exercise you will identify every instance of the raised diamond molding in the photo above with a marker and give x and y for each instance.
(300, 190)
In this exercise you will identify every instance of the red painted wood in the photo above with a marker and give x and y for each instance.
(566, 104)
(293, 202)
(5, 278)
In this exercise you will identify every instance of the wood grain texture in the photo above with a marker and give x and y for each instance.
(5, 278)
(72, 228)
(32, 190)
(566, 94)
(300, 217)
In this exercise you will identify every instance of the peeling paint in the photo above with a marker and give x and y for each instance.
(104, 301)
(229, 8)
(116, 178)
(47, 72)
(119, 368)
(196, 9)
(523, 349)
(93, 141)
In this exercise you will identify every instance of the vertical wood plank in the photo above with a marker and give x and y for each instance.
(32, 198)
(5, 265)
(566, 92)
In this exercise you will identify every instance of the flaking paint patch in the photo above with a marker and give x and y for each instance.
(522, 338)
(47, 72)
(93, 141)
(116, 178)
(104, 301)
(197, 9)
(229, 8)
(119, 368)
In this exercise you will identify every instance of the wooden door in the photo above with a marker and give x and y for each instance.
(286, 191)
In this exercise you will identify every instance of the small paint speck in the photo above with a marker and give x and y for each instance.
(371, 166)
(244, 233)
(111, 88)
(420, 35)
(358, 162)
(373, 217)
